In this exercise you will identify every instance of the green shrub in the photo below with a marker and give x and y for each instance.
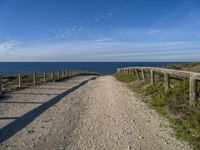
(178, 97)
(125, 77)
(181, 130)
(193, 119)
(175, 67)
(159, 100)
(194, 67)
(153, 88)
(137, 86)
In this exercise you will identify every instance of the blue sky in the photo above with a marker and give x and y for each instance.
(99, 30)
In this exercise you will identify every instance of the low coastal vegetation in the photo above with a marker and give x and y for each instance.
(11, 82)
(173, 104)
(194, 67)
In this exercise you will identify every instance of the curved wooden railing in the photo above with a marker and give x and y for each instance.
(141, 72)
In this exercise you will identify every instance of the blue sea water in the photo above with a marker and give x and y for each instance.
(100, 67)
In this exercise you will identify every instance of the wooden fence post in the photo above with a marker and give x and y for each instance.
(166, 81)
(34, 78)
(128, 71)
(19, 81)
(58, 74)
(53, 77)
(63, 73)
(44, 76)
(137, 74)
(152, 76)
(193, 91)
(132, 71)
(67, 73)
(143, 75)
(71, 72)
(1, 90)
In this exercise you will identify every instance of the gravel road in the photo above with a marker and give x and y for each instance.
(82, 113)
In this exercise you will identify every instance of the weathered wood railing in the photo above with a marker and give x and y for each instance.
(167, 74)
(12, 81)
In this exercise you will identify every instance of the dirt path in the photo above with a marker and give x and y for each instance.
(80, 115)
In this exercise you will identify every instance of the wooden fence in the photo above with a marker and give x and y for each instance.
(141, 72)
(9, 82)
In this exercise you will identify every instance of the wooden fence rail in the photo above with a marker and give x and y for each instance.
(19, 80)
(167, 74)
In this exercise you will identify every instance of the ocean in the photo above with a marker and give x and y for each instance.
(100, 67)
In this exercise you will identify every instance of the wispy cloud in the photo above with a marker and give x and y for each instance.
(128, 34)
(103, 40)
(108, 50)
(64, 33)
(104, 15)
(8, 46)
(155, 34)
(153, 31)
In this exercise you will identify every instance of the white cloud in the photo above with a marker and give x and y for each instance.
(103, 16)
(155, 34)
(8, 46)
(105, 50)
(153, 31)
(103, 40)
(124, 44)
(109, 14)
(64, 33)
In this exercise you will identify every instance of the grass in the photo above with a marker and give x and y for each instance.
(125, 77)
(173, 104)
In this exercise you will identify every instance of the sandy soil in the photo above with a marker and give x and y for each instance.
(80, 115)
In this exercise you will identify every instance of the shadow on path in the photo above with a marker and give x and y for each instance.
(6, 118)
(47, 94)
(13, 102)
(21, 122)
